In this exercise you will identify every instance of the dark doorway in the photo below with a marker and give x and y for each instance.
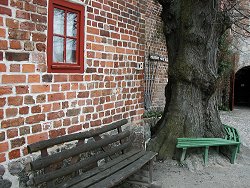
(242, 87)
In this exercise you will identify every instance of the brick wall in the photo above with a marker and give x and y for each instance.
(156, 45)
(36, 105)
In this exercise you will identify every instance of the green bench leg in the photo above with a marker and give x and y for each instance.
(183, 154)
(234, 153)
(206, 155)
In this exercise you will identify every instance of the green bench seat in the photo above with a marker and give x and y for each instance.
(231, 139)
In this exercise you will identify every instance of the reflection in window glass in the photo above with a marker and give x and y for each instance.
(71, 24)
(59, 21)
(71, 51)
(58, 49)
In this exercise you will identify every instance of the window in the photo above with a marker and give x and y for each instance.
(65, 37)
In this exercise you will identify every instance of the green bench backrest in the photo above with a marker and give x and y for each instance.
(231, 133)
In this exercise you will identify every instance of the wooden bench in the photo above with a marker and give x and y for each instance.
(67, 168)
(231, 139)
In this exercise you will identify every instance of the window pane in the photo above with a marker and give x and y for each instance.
(71, 24)
(71, 51)
(58, 49)
(59, 21)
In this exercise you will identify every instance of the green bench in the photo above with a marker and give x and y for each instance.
(231, 139)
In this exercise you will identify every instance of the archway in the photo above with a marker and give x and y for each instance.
(242, 87)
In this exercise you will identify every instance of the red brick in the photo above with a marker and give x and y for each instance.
(3, 44)
(35, 119)
(12, 133)
(12, 56)
(24, 130)
(41, 10)
(41, 98)
(30, 7)
(2, 157)
(38, 37)
(38, 18)
(46, 108)
(15, 44)
(34, 78)
(40, 88)
(36, 109)
(28, 68)
(60, 78)
(5, 90)
(55, 115)
(57, 133)
(15, 68)
(1, 55)
(4, 2)
(9, 79)
(1, 114)
(56, 97)
(76, 78)
(73, 112)
(11, 23)
(84, 94)
(12, 122)
(41, 27)
(28, 26)
(23, 14)
(36, 128)
(41, 47)
(15, 101)
(2, 68)
(22, 89)
(37, 137)
(5, 11)
(14, 154)
(95, 123)
(40, 2)
(2, 32)
(1, 21)
(2, 102)
(29, 46)
(28, 99)
(25, 151)
(17, 4)
(11, 112)
(24, 110)
(19, 34)
(4, 147)
(18, 142)
(74, 128)
(2, 136)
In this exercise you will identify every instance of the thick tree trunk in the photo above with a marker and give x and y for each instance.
(192, 29)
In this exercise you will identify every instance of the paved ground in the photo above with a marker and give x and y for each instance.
(219, 173)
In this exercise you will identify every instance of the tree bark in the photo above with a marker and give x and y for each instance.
(192, 29)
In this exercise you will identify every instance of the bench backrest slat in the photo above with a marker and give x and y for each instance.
(67, 138)
(81, 164)
(57, 157)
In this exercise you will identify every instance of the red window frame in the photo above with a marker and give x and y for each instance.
(64, 67)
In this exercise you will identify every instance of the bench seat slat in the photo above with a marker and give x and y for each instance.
(124, 173)
(81, 164)
(46, 161)
(77, 136)
(99, 169)
(98, 177)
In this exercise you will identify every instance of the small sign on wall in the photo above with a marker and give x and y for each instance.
(158, 58)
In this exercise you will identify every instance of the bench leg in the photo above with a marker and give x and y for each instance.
(206, 155)
(183, 154)
(234, 153)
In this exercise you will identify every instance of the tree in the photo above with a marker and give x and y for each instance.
(192, 29)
